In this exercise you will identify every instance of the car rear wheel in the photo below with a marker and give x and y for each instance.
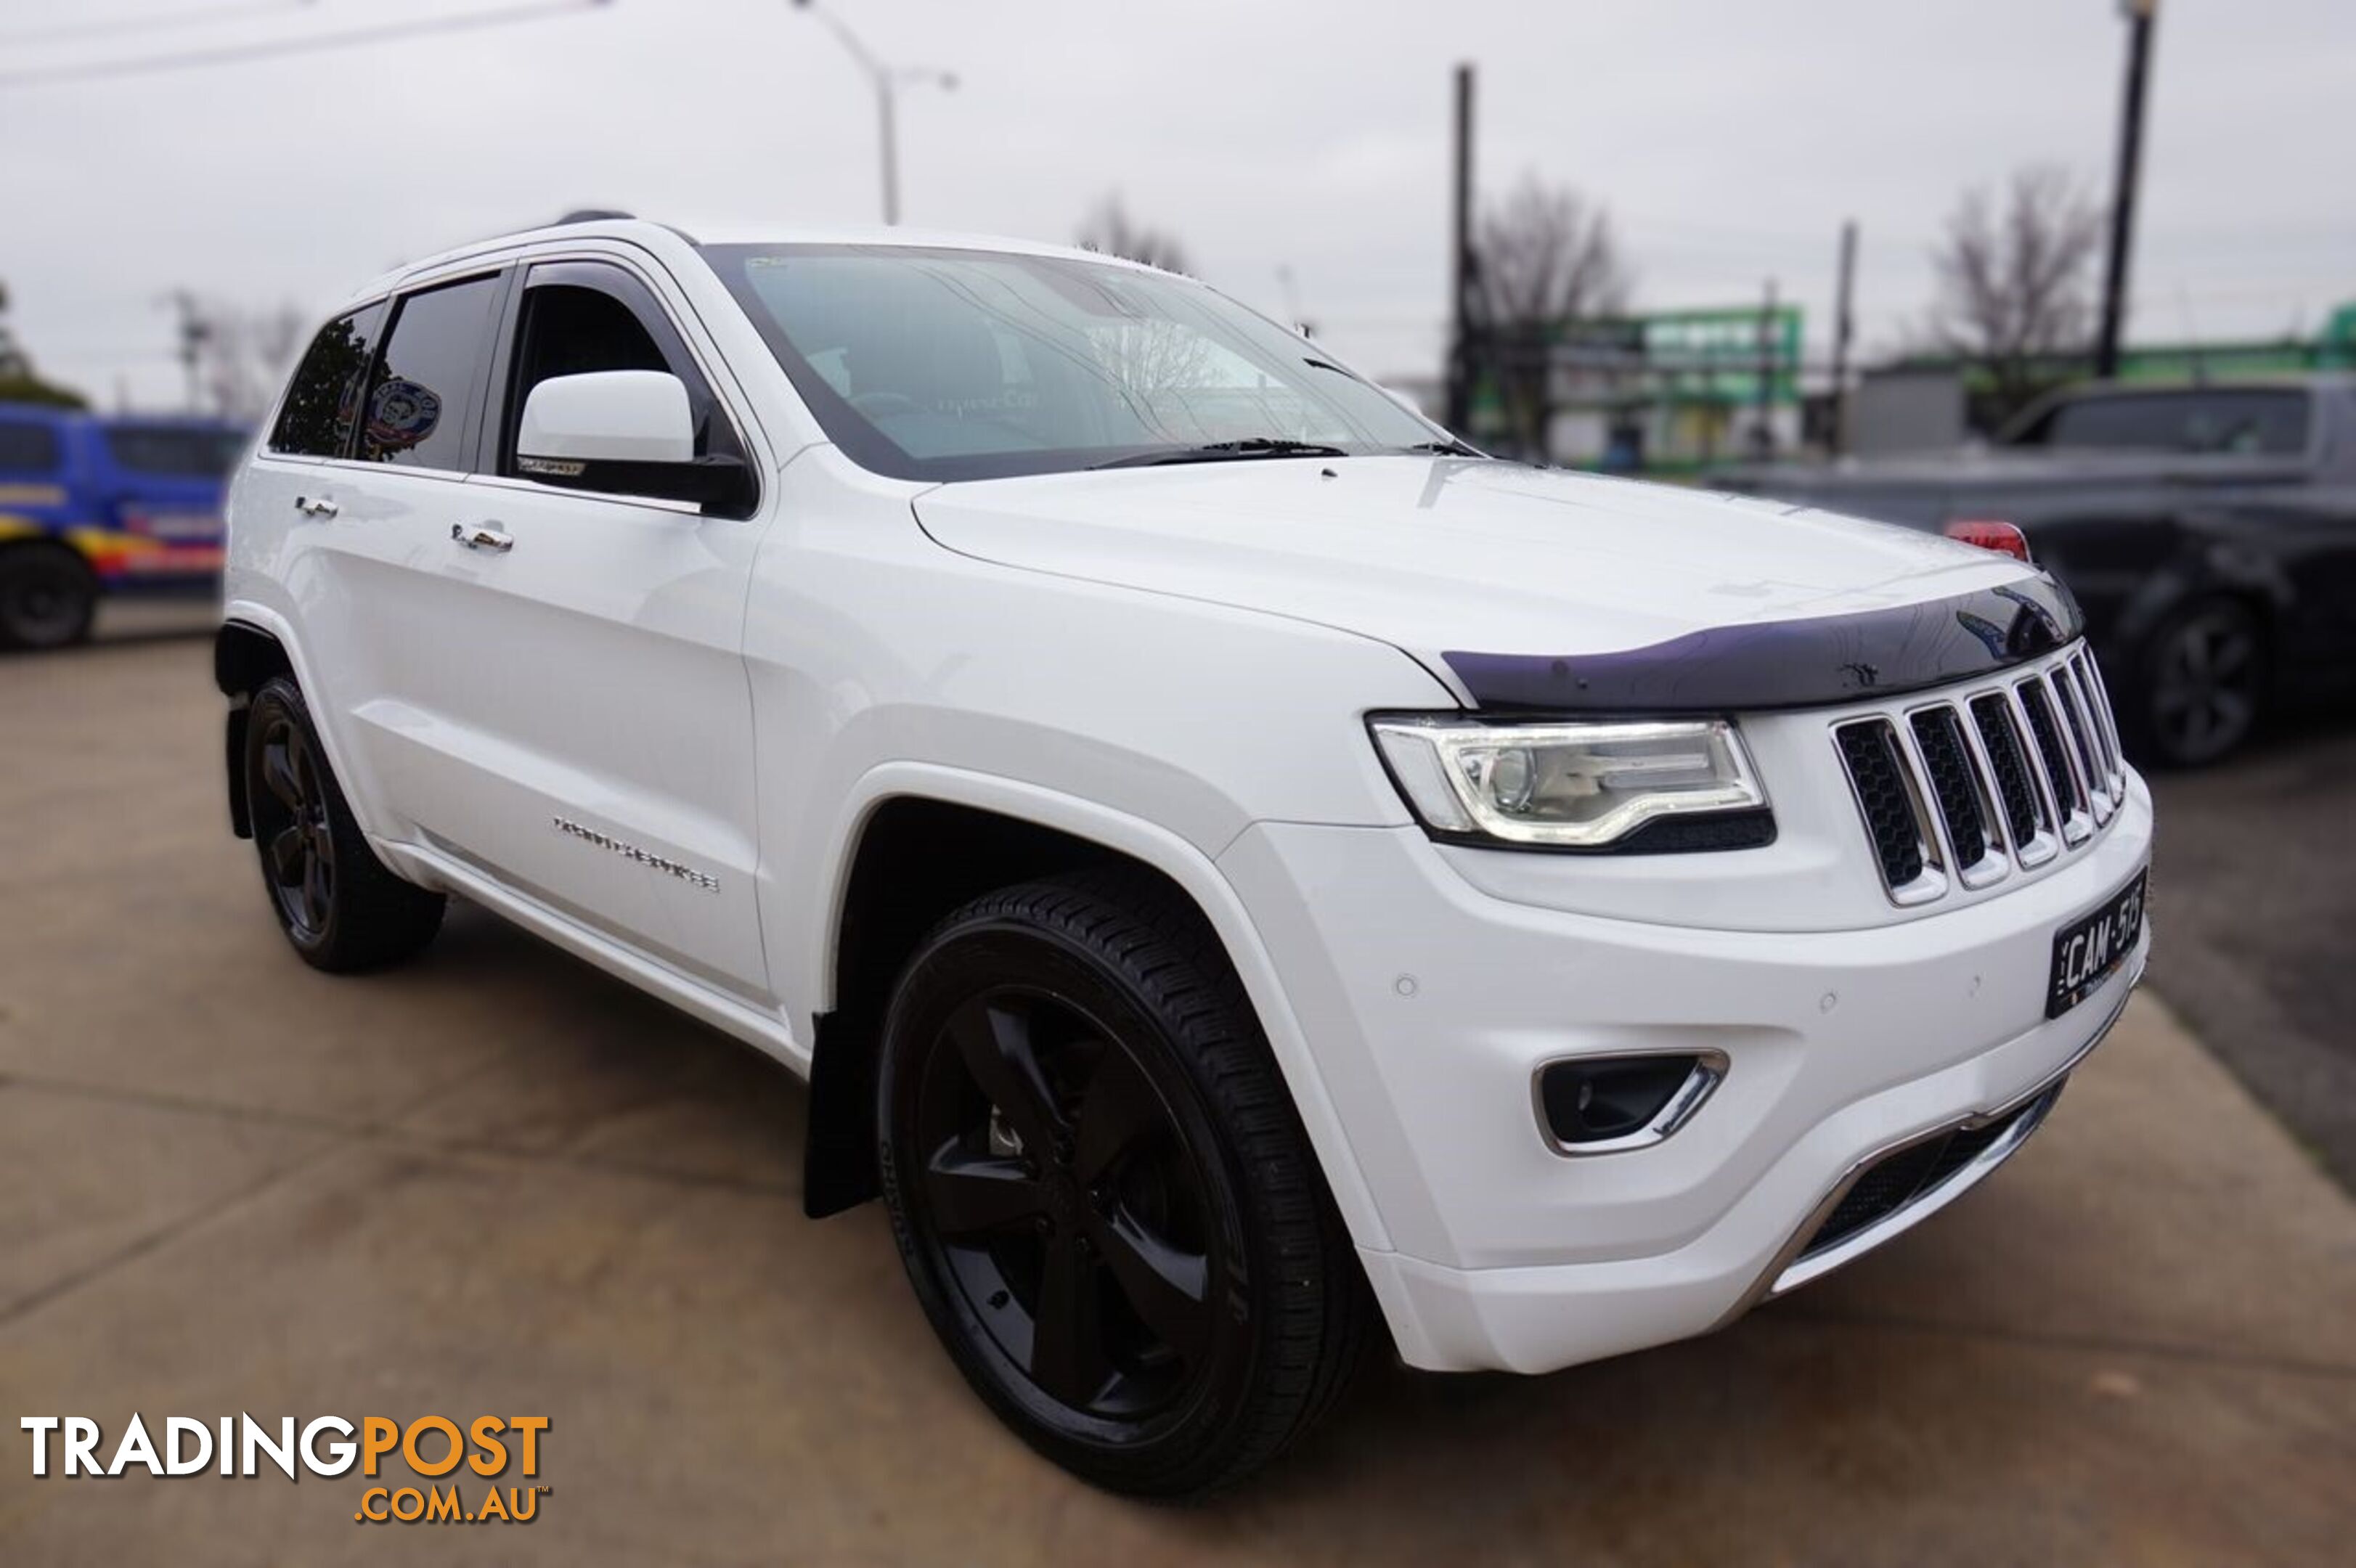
(49, 597)
(337, 904)
(2201, 687)
(1103, 1198)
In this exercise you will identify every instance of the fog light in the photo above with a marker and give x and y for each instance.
(1601, 1105)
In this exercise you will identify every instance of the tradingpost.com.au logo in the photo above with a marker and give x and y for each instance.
(433, 1446)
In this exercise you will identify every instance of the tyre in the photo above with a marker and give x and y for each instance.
(48, 596)
(337, 904)
(2200, 687)
(1101, 1192)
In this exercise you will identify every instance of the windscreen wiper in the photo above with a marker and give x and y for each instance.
(1444, 449)
(1227, 451)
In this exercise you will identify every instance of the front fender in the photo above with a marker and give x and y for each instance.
(1196, 874)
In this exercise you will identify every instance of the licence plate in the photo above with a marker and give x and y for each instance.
(2087, 949)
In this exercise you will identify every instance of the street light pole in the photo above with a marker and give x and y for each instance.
(2140, 15)
(1459, 412)
(887, 80)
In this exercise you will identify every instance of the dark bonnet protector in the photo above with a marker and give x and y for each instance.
(1789, 664)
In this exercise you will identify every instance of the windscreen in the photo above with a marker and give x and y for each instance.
(945, 363)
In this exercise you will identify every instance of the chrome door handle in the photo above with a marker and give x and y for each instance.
(482, 535)
(316, 506)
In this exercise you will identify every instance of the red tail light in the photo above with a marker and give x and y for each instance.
(2005, 539)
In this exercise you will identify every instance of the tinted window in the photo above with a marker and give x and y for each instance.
(179, 454)
(324, 398)
(29, 449)
(573, 329)
(427, 377)
(2236, 420)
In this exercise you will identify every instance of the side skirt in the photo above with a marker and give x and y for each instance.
(766, 1031)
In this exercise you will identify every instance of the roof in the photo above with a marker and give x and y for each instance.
(660, 236)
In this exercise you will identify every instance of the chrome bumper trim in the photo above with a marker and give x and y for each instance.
(1788, 1272)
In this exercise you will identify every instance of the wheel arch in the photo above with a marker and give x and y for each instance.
(2207, 562)
(924, 841)
(244, 657)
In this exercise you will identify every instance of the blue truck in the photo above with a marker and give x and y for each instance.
(93, 505)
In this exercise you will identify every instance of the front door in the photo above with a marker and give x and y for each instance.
(583, 730)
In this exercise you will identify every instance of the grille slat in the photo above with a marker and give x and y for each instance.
(1944, 789)
(2023, 814)
(2053, 752)
(1874, 773)
(2106, 729)
(1955, 787)
(2063, 683)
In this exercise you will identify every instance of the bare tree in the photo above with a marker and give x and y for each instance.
(1543, 258)
(2014, 283)
(1109, 228)
(242, 355)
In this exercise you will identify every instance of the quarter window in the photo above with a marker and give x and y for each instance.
(323, 400)
(428, 376)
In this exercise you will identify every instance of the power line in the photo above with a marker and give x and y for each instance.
(234, 54)
(153, 21)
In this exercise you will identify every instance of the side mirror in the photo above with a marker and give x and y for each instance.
(627, 433)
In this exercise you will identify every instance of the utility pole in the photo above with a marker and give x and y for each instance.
(1461, 265)
(2140, 15)
(1762, 432)
(193, 331)
(887, 80)
(1844, 327)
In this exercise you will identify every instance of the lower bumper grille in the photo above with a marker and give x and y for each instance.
(1898, 1180)
(1910, 1184)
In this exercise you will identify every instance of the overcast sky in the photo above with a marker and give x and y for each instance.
(1728, 138)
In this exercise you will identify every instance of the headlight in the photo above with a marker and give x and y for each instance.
(1570, 786)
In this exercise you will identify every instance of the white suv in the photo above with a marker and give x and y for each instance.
(1236, 865)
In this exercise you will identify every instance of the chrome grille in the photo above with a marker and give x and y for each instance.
(1967, 790)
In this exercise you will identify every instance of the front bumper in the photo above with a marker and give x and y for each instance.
(1430, 1002)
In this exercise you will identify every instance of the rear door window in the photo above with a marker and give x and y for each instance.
(2269, 421)
(323, 400)
(428, 381)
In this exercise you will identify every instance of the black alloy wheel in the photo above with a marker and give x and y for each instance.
(1058, 1194)
(49, 597)
(2203, 684)
(290, 824)
(339, 905)
(1101, 1193)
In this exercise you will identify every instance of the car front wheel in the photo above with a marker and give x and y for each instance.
(1102, 1195)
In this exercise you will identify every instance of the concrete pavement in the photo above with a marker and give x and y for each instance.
(499, 1181)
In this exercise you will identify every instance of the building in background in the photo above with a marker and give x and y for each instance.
(1662, 392)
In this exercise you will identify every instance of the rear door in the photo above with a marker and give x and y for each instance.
(574, 716)
(369, 519)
